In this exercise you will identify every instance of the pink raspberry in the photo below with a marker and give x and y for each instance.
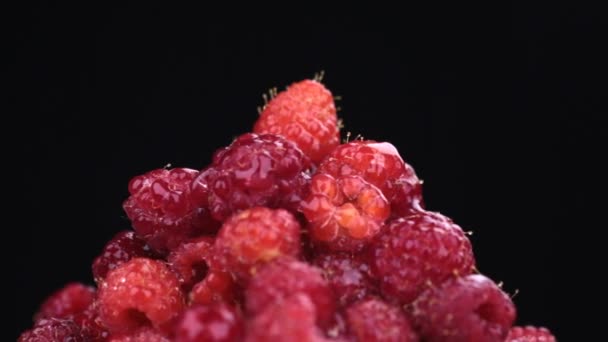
(191, 260)
(292, 319)
(140, 292)
(349, 276)
(72, 299)
(256, 236)
(123, 247)
(161, 210)
(530, 334)
(421, 250)
(255, 170)
(376, 321)
(211, 323)
(53, 330)
(379, 164)
(470, 308)
(284, 277)
(344, 214)
(145, 334)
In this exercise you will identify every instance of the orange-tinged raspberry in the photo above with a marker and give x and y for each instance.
(344, 214)
(254, 237)
(305, 113)
(379, 164)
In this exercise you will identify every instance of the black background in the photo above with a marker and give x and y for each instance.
(498, 109)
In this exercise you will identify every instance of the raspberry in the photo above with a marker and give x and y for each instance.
(145, 334)
(216, 287)
(89, 323)
(290, 320)
(379, 164)
(190, 260)
(344, 214)
(123, 247)
(530, 334)
(160, 209)
(72, 299)
(305, 113)
(53, 330)
(255, 170)
(140, 292)
(348, 275)
(418, 251)
(376, 321)
(254, 237)
(213, 323)
(284, 277)
(470, 308)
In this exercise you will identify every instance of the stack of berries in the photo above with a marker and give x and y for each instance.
(289, 235)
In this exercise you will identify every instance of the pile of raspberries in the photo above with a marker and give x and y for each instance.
(288, 235)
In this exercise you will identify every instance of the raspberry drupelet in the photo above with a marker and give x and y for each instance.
(254, 237)
(72, 299)
(470, 308)
(161, 210)
(139, 293)
(418, 251)
(255, 170)
(191, 260)
(123, 247)
(530, 334)
(379, 164)
(348, 275)
(211, 323)
(373, 320)
(305, 113)
(284, 277)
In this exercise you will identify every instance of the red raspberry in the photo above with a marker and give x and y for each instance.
(254, 237)
(53, 330)
(72, 299)
(344, 214)
(376, 321)
(123, 247)
(190, 260)
(140, 292)
(145, 334)
(255, 170)
(418, 251)
(290, 320)
(211, 323)
(380, 164)
(305, 113)
(530, 334)
(348, 276)
(216, 287)
(161, 211)
(90, 325)
(284, 277)
(470, 308)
